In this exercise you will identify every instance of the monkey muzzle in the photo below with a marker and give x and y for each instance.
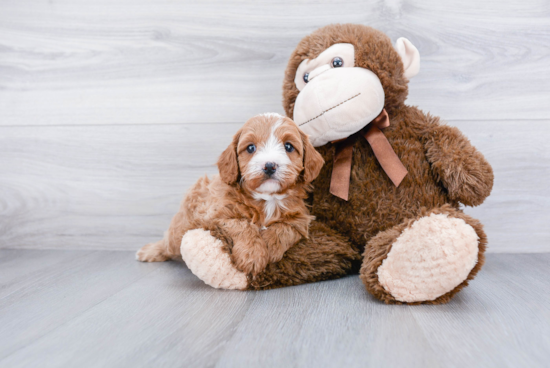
(338, 102)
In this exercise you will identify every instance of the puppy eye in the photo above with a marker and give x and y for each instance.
(251, 148)
(306, 77)
(337, 62)
(289, 147)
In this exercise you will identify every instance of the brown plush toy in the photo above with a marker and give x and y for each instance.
(387, 200)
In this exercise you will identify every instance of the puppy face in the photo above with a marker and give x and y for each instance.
(268, 155)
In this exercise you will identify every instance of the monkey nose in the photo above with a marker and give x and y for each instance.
(270, 168)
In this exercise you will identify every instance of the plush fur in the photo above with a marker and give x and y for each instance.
(378, 248)
(260, 214)
(206, 258)
(444, 171)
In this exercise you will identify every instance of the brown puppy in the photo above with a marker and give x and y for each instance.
(256, 203)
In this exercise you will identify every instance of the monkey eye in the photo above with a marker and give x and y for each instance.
(251, 148)
(289, 147)
(337, 62)
(306, 77)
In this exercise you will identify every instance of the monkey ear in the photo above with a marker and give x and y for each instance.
(313, 161)
(409, 56)
(228, 166)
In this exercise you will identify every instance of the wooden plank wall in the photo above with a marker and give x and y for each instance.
(110, 109)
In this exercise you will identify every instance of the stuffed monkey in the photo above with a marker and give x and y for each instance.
(387, 201)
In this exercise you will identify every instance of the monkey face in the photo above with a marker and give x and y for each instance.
(337, 98)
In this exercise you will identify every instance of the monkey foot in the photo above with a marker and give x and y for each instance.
(430, 259)
(204, 256)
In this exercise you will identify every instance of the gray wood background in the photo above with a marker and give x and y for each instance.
(110, 109)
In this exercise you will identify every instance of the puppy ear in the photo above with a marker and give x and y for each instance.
(313, 161)
(228, 166)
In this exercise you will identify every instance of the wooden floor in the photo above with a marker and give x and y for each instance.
(73, 308)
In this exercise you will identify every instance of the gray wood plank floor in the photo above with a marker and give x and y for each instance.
(103, 309)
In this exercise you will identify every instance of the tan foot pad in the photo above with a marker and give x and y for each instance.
(204, 256)
(429, 259)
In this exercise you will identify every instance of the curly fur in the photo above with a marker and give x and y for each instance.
(256, 227)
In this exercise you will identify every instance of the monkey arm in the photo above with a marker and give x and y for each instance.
(458, 165)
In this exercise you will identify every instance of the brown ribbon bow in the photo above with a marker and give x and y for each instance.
(341, 170)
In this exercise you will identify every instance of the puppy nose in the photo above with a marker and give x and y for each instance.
(270, 168)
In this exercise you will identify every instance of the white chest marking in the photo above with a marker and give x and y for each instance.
(272, 201)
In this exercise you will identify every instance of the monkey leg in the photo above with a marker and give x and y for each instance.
(324, 255)
(208, 257)
(427, 259)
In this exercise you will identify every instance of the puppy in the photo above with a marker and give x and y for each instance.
(256, 203)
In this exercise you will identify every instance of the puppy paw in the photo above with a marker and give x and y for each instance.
(205, 257)
(252, 266)
(250, 258)
(152, 252)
